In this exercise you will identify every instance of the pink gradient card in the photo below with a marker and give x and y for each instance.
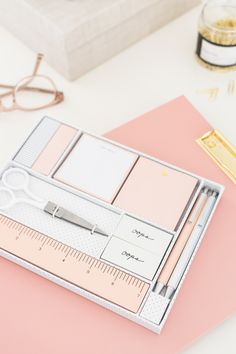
(156, 193)
(38, 316)
(54, 149)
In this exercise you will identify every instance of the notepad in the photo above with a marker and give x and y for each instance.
(96, 167)
(157, 193)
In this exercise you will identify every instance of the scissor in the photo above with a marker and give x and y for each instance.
(17, 180)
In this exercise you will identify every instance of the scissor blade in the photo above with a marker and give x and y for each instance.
(66, 215)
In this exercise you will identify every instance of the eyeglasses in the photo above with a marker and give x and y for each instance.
(32, 93)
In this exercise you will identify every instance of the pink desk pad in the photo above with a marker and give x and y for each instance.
(37, 316)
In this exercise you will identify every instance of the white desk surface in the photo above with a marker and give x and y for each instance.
(152, 72)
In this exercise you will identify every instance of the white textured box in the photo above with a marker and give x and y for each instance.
(78, 35)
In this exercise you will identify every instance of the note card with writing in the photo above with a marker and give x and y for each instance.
(132, 258)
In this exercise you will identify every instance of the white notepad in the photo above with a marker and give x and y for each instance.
(96, 167)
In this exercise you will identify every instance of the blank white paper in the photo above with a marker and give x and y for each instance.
(96, 167)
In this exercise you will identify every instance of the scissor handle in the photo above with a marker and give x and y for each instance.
(12, 200)
(10, 195)
(16, 186)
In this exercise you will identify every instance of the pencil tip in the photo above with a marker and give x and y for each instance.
(158, 288)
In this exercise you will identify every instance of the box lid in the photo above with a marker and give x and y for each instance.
(82, 20)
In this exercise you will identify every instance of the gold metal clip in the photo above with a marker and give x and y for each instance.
(221, 151)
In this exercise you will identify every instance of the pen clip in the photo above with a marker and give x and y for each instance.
(207, 210)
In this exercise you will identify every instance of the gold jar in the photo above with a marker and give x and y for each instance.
(216, 45)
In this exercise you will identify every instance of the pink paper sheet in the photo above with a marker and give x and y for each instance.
(37, 316)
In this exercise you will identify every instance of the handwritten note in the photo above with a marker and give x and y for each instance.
(144, 235)
(131, 258)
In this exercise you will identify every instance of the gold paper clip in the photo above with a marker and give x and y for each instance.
(221, 151)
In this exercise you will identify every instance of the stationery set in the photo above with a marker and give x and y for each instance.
(106, 221)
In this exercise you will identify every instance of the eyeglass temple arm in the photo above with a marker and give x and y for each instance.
(7, 93)
(37, 64)
(26, 88)
(36, 67)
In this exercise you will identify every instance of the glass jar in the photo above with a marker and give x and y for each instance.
(216, 45)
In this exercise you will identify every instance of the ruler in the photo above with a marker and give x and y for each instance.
(71, 265)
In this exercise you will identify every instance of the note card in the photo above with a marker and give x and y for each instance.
(143, 235)
(96, 167)
(131, 258)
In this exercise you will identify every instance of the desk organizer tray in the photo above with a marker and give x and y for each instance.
(110, 223)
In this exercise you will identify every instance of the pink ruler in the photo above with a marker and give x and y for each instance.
(72, 265)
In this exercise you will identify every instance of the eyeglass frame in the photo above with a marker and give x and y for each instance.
(58, 95)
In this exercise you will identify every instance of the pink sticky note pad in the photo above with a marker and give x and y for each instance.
(54, 149)
(58, 321)
(157, 193)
